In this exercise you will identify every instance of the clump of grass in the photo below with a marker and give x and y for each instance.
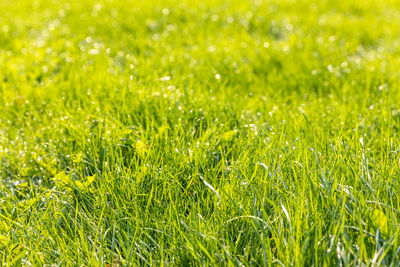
(183, 133)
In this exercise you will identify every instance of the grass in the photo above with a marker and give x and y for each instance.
(208, 132)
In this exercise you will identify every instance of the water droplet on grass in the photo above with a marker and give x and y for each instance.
(93, 51)
(165, 78)
(165, 11)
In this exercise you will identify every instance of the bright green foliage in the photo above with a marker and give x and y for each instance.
(226, 132)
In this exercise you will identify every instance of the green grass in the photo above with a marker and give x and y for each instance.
(213, 132)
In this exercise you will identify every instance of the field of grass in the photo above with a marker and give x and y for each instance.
(210, 132)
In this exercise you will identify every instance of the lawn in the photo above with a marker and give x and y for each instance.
(210, 132)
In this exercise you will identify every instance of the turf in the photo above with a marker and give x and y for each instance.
(213, 132)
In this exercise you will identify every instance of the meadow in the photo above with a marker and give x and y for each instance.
(199, 133)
